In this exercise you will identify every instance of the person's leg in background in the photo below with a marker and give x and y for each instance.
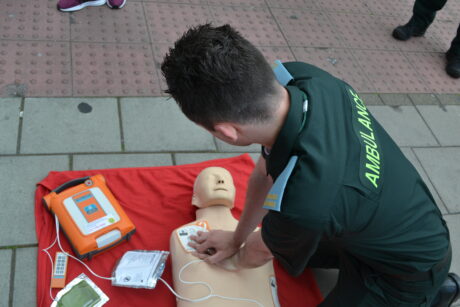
(423, 14)
(76, 5)
(453, 57)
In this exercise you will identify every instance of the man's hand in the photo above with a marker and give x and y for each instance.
(214, 246)
(231, 264)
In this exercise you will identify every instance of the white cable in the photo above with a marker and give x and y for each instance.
(86, 266)
(206, 285)
(167, 285)
(62, 250)
(52, 263)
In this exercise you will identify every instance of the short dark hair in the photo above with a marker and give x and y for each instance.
(215, 75)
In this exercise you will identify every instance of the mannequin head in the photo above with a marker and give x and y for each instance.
(213, 186)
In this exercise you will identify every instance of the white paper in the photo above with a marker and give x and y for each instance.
(136, 269)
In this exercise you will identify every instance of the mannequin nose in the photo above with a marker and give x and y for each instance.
(220, 181)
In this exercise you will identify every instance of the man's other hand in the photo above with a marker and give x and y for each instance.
(214, 246)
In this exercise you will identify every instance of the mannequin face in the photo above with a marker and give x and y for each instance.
(213, 186)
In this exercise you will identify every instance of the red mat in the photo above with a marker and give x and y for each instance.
(157, 200)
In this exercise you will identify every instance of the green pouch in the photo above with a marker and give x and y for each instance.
(81, 295)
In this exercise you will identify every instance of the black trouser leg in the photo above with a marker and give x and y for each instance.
(350, 289)
(425, 10)
(455, 45)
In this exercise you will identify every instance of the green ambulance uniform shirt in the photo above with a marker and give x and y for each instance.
(351, 184)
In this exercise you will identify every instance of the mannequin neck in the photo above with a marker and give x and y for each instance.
(214, 212)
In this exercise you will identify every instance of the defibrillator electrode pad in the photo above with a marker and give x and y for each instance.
(81, 291)
(186, 231)
(139, 269)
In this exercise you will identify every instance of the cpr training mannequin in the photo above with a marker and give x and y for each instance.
(214, 195)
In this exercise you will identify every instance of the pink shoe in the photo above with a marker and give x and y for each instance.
(116, 4)
(75, 5)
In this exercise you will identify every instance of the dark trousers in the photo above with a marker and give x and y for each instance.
(425, 11)
(360, 285)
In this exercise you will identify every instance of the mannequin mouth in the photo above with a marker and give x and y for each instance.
(220, 189)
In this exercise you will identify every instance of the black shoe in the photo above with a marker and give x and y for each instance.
(449, 292)
(412, 28)
(453, 64)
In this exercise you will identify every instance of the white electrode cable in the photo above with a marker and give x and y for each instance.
(52, 262)
(62, 250)
(84, 264)
(210, 295)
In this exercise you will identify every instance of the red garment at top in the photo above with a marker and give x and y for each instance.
(157, 200)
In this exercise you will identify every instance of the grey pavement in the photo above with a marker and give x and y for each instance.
(38, 135)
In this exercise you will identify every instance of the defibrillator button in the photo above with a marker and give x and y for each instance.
(108, 238)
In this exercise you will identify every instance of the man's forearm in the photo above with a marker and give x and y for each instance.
(258, 187)
(254, 253)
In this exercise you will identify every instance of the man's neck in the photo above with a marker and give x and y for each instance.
(266, 133)
(273, 128)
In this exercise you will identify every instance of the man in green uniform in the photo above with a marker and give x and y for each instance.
(331, 189)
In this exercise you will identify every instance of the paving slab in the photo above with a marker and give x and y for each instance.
(424, 99)
(157, 124)
(389, 70)
(396, 99)
(444, 122)
(17, 187)
(35, 68)
(303, 28)
(5, 273)
(188, 158)
(25, 276)
(256, 24)
(443, 168)
(284, 54)
(413, 159)
(224, 147)
(115, 70)
(364, 31)
(168, 21)
(9, 123)
(405, 125)
(127, 25)
(371, 99)
(449, 98)
(63, 125)
(453, 222)
(430, 67)
(344, 6)
(86, 162)
(41, 21)
(338, 62)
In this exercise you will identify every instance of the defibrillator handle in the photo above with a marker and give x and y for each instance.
(70, 184)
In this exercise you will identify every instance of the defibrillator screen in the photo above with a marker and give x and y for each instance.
(91, 210)
(85, 197)
(89, 206)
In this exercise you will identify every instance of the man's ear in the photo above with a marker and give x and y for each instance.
(228, 131)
